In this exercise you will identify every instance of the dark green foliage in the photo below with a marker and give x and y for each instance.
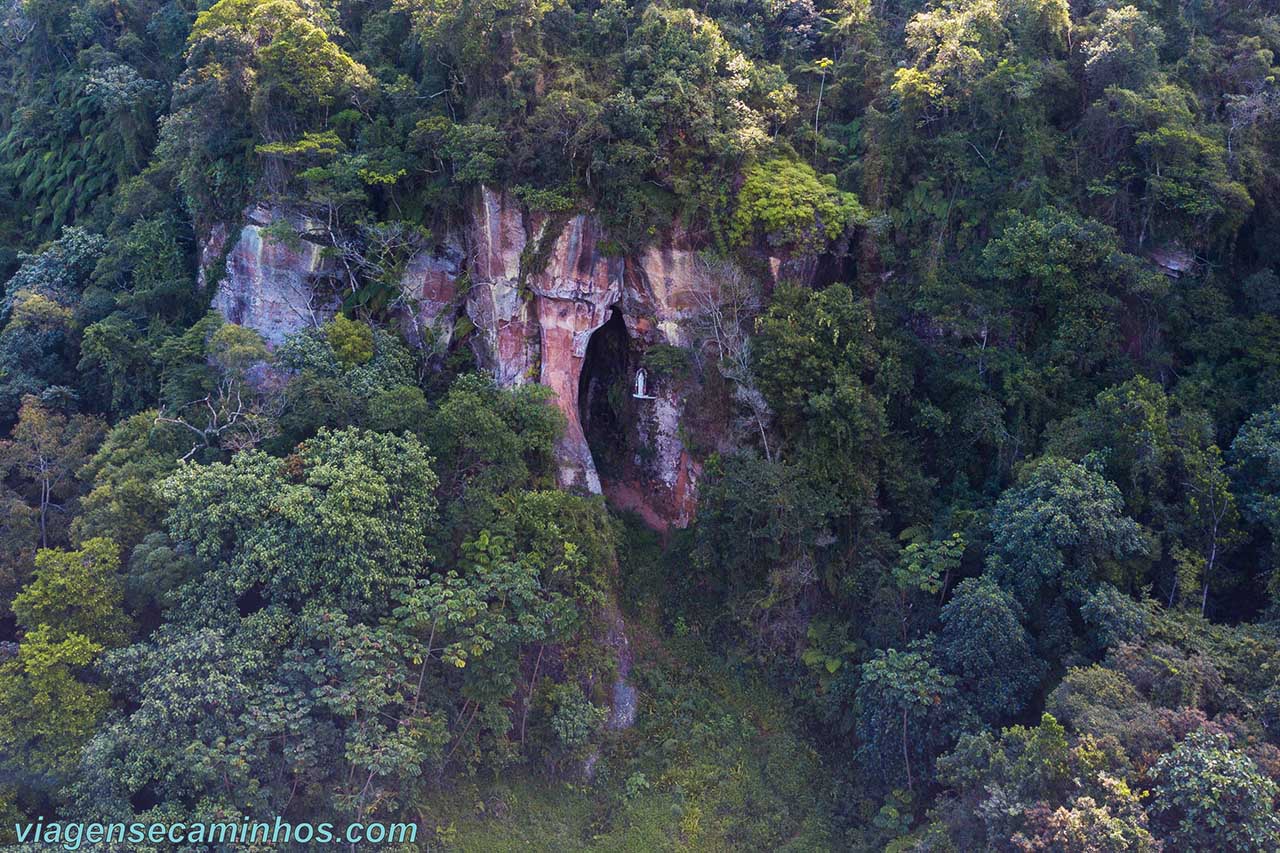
(762, 527)
(1209, 796)
(1059, 532)
(1256, 454)
(488, 442)
(293, 628)
(983, 644)
(19, 538)
(819, 366)
(1114, 617)
(905, 716)
(123, 475)
(37, 309)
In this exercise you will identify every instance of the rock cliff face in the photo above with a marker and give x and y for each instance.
(573, 296)
(540, 288)
(270, 285)
(431, 283)
(536, 290)
(658, 297)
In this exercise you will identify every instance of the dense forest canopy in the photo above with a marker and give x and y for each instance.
(983, 393)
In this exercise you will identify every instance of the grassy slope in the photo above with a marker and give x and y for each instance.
(713, 763)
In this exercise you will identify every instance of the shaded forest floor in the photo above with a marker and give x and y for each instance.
(714, 762)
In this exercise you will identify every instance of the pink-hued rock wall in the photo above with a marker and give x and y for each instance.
(431, 284)
(536, 289)
(573, 296)
(269, 285)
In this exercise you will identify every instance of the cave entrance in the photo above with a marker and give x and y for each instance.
(604, 392)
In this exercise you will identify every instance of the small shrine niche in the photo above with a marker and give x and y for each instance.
(641, 391)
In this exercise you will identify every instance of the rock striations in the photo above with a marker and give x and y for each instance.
(533, 288)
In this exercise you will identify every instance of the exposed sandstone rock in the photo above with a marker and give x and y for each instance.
(659, 290)
(269, 285)
(573, 295)
(496, 235)
(537, 288)
(1173, 260)
(431, 284)
(660, 296)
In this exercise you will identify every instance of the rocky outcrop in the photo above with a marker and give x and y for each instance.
(270, 285)
(539, 288)
(1172, 260)
(574, 295)
(535, 288)
(506, 341)
(661, 283)
(430, 284)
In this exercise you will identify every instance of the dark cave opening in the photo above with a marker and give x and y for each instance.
(832, 267)
(604, 390)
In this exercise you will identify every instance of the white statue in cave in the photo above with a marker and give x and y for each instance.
(641, 382)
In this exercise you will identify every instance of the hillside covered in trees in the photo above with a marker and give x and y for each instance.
(593, 424)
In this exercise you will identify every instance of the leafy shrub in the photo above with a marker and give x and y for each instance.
(352, 341)
(791, 207)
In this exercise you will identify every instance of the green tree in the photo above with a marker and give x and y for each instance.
(1209, 796)
(1031, 788)
(49, 712)
(1255, 455)
(335, 391)
(953, 44)
(793, 209)
(122, 502)
(761, 527)
(1131, 427)
(1172, 180)
(818, 359)
(19, 539)
(1125, 51)
(115, 353)
(77, 592)
(1060, 531)
(1090, 825)
(352, 341)
(45, 451)
(203, 724)
(267, 692)
(1069, 279)
(399, 409)
(488, 441)
(344, 520)
(983, 644)
(1162, 457)
(1212, 515)
(256, 70)
(903, 706)
(925, 567)
(214, 399)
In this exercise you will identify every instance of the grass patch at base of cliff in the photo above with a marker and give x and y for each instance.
(711, 764)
